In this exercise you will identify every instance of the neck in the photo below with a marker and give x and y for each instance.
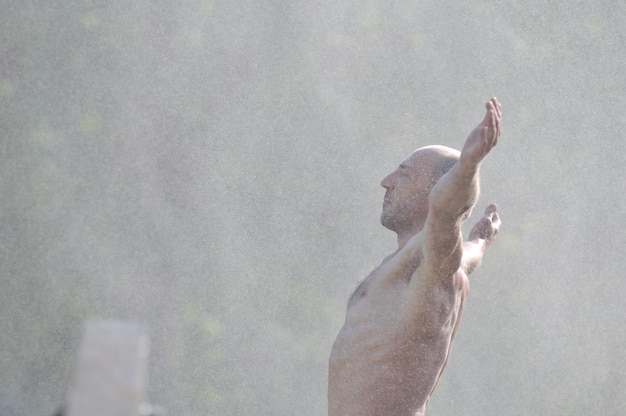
(405, 235)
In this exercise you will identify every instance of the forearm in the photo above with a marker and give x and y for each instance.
(457, 191)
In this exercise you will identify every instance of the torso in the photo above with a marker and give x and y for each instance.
(381, 363)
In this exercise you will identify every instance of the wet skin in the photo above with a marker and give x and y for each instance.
(401, 320)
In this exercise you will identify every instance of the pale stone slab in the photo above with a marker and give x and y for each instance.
(110, 378)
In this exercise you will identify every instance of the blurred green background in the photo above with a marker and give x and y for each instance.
(211, 169)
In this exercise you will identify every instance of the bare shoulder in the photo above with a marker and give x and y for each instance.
(402, 265)
(423, 259)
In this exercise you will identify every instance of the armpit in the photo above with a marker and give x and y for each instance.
(433, 308)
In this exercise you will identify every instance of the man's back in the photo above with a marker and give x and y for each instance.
(383, 362)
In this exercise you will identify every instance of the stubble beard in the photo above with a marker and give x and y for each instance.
(390, 221)
(400, 219)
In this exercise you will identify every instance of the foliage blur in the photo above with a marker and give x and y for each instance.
(211, 169)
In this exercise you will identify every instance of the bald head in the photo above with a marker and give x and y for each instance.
(434, 161)
(406, 200)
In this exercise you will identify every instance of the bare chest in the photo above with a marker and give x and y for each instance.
(373, 318)
(375, 298)
(378, 365)
(386, 359)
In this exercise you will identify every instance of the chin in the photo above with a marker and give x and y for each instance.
(387, 222)
(383, 220)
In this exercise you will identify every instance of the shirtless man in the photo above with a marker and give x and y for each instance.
(402, 318)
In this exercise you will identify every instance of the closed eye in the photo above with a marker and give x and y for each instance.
(405, 170)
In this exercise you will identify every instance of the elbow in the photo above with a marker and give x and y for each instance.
(455, 195)
(452, 207)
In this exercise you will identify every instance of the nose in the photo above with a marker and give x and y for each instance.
(386, 182)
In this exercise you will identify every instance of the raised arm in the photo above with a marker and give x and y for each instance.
(480, 238)
(454, 195)
(435, 287)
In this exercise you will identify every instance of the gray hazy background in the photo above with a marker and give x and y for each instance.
(211, 169)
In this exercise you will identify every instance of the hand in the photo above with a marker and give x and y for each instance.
(484, 137)
(487, 227)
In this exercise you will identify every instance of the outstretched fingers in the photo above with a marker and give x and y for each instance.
(484, 137)
(495, 108)
(488, 226)
(492, 215)
(491, 210)
(492, 123)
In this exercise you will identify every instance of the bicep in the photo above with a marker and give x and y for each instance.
(430, 293)
(442, 245)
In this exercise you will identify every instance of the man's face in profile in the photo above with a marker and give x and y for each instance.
(406, 193)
